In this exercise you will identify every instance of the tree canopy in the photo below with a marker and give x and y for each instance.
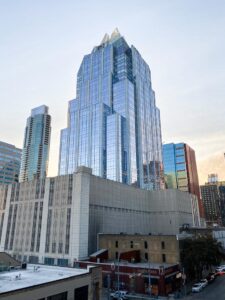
(201, 253)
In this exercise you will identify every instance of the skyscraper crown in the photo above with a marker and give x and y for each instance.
(114, 36)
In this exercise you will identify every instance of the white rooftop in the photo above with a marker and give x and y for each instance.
(35, 275)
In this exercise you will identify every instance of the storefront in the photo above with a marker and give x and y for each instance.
(138, 277)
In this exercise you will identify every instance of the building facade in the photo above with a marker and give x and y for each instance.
(36, 145)
(114, 124)
(153, 248)
(180, 170)
(213, 196)
(163, 279)
(57, 220)
(10, 159)
(39, 282)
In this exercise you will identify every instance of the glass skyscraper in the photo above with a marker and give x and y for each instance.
(180, 170)
(34, 163)
(114, 124)
(10, 158)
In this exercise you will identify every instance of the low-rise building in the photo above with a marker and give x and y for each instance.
(218, 233)
(142, 278)
(155, 249)
(40, 282)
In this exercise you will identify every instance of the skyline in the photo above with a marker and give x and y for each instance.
(46, 43)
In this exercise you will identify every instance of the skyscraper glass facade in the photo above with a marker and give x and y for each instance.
(10, 158)
(114, 124)
(35, 153)
(180, 170)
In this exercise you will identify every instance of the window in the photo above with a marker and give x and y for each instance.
(164, 257)
(49, 261)
(163, 245)
(61, 296)
(81, 293)
(146, 256)
(116, 244)
(116, 254)
(131, 244)
(62, 262)
(146, 245)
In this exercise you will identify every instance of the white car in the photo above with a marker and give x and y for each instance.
(204, 282)
(119, 295)
(220, 269)
(197, 287)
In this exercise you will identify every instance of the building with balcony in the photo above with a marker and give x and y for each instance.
(34, 163)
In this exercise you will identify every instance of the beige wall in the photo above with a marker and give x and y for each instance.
(154, 246)
(95, 205)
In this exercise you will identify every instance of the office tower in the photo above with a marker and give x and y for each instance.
(180, 170)
(213, 197)
(10, 158)
(113, 124)
(35, 153)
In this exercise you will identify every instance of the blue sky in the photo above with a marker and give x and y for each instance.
(43, 43)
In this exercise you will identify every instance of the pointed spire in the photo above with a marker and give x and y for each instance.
(105, 39)
(116, 34)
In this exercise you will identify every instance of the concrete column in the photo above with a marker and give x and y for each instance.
(80, 213)
(5, 222)
(44, 221)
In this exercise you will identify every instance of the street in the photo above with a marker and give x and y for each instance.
(215, 290)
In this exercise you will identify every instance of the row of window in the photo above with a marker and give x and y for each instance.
(146, 256)
(79, 293)
(145, 244)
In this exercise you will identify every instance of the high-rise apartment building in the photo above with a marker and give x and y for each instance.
(10, 158)
(35, 153)
(213, 197)
(114, 124)
(180, 170)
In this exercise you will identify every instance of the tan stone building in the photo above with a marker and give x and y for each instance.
(153, 248)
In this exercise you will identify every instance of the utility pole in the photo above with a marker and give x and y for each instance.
(184, 281)
(149, 278)
(118, 272)
(108, 285)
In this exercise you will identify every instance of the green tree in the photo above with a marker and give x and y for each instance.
(200, 253)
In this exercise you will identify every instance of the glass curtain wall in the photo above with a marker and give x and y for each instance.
(113, 124)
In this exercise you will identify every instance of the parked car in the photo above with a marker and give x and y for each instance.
(119, 295)
(197, 287)
(220, 272)
(220, 268)
(204, 282)
(211, 277)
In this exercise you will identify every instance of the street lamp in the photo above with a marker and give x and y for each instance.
(149, 277)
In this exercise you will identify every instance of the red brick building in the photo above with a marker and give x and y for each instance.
(134, 277)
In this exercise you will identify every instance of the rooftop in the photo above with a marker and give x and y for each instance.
(35, 275)
(139, 265)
